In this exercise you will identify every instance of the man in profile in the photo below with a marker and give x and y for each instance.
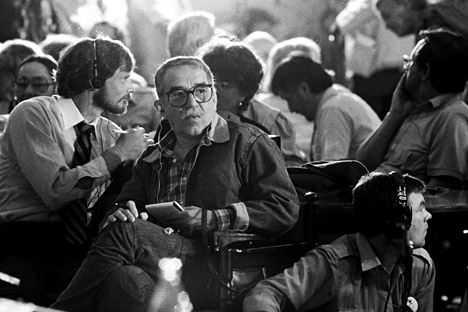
(372, 270)
(425, 132)
(58, 156)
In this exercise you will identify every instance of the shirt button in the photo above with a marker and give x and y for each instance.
(184, 179)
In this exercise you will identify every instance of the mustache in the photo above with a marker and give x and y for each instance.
(127, 97)
(190, 113)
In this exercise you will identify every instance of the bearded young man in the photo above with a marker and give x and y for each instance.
(57, 155)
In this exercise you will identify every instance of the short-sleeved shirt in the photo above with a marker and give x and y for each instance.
(346, 275)
(343, 123)
(432, 141)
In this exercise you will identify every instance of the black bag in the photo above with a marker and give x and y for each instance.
(327, 178)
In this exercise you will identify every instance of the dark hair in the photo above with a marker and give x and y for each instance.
(446, 53)
(375, 196)
(414, 5)
(192, 61)
(75, 67)
(234, 63)
(46, 60)
(296, 69)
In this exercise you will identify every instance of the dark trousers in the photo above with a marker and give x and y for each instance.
(121, 270)
(37, 254)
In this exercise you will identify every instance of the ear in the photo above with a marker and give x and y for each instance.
(222, 86)
(303, 90)
(426, 72)
(159, 106)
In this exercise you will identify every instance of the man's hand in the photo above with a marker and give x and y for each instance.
(126, 214)
(402, 103)
(131, 144)
(189, 221)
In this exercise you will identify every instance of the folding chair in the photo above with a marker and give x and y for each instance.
(245, 263)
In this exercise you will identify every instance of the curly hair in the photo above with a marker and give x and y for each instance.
(76, 64)
(235, 63)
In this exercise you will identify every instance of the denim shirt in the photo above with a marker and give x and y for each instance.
(242, 169)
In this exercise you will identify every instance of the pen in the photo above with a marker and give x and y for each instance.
(120, 131)
(178, 206)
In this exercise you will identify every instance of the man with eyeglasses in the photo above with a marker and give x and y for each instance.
(229, 171)
(425, 132)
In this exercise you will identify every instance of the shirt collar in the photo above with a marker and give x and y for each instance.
(219, 133)
(443, 98)
(71, 114)
(369, 259)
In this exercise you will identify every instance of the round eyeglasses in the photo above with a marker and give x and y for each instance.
(179, 97)
(38, 86)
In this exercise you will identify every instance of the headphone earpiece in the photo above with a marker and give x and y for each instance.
(95, 82)
(399, 218)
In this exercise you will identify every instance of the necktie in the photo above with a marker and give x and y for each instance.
(75, 216)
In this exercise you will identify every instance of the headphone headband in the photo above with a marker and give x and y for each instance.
(95, 82)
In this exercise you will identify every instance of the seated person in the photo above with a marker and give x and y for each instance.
(304, 128)
(238, 73)
(372, 270)
(342, 120)
(425, 132)
(53, 44)
(34, 77)
(261, 42)
(229, 171)
(188, 32)
(54, 174)
(12, 53)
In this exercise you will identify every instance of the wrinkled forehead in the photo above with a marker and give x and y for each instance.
(185, 74)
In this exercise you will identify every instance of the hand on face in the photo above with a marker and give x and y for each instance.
(402, 104)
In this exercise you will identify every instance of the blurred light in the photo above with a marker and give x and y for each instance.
(444, 298)
(465, 231)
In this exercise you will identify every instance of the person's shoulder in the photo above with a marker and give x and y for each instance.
(236, 125)
(32, 106)
(422, 257)
(342, 247)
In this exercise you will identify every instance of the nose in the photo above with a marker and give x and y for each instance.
(130, 87)
(29, 90)
(428, 215)
(191, 100)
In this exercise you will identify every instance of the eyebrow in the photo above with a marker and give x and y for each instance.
(175, 88)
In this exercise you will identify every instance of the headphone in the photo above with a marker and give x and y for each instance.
(399, 218)
(95, 82)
